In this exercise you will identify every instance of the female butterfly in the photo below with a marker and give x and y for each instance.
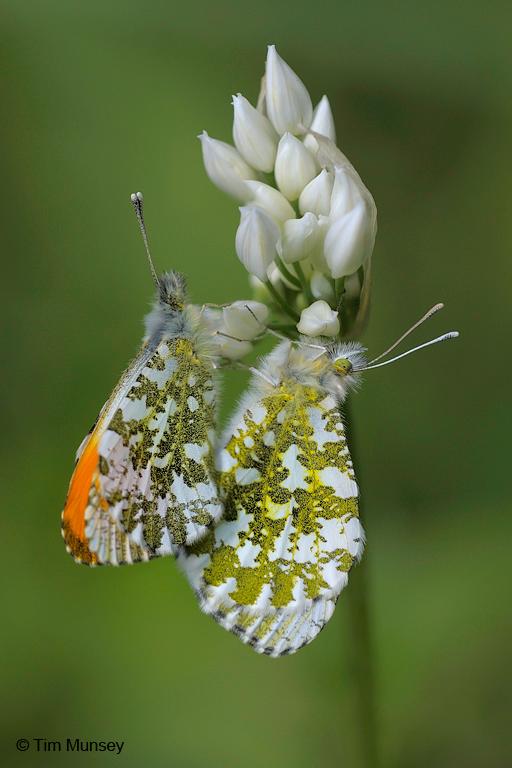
(272, 570)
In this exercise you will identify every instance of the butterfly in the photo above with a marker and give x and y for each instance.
(273, 568)
(144, 481)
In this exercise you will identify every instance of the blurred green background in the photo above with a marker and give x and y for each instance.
(102, 99)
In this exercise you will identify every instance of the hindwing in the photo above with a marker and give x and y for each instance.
(144, 482)
(272, 569)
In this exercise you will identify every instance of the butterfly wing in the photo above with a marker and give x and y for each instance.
(272, 570)
(144, 482)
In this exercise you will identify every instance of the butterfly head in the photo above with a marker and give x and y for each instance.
(345, 360)
(342, 366)
(172, 291)
(168, 315)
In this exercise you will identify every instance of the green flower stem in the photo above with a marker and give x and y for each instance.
(360, 668)
(304, 282)
(281, 302)
(286, 272)
(339, 287)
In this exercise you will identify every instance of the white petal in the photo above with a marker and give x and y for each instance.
(323, 120)
(316, 196)
(317, 257)
(346, 193)
(271, 200)
(245, 319)
(231, 349)
(288, 102)
(226, 167)
(254, 136)
(319, 320)
(210, 318)
(299, 238)
(349, 241)
(295, 166)
(256, 240)
(321, 286)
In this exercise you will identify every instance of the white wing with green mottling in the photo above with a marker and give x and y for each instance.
(145, 480)
(156, 454)
(272, 569)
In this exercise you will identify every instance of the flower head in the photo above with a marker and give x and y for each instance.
(308, 222)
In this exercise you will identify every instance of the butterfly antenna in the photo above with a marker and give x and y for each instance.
(138, 205)
(444, 337)
(432, 311)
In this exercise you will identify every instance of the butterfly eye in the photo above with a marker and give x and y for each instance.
(342, 366)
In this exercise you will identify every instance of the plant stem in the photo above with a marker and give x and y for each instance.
(360, 656)
(304, 282)
(339, 288)
(280, 301)
(286, 272)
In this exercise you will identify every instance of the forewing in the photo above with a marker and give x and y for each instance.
(149, 463)
(272, 570)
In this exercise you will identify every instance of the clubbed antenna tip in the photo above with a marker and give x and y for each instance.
(137, 201)
(444, 337)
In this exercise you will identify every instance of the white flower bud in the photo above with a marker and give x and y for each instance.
(321, 286)
(323, 121)
(288, 102)
(226, 167)
(271, 200)
(317, 257)
(316, 196)
(323, 124)
(229, 348)
(349, 241)
(319, 320)
(352, 286)
(346, 193)
(253, 134)
(255, 241)
(245, 319)
(295, 166)
(299, 238)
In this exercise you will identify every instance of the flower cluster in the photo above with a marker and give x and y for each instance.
(307, 222)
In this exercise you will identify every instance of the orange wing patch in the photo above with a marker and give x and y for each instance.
(73, 516)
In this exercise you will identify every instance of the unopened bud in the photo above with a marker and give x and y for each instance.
(323, 120)
(245, 319)
(225, 167)
(319, 320)
(295, 166)
(349, 241)
(299, 238)
(321, 286)
(288, 101)
(271, 200)
(316, 196)
(254, 135)
(256, 240)
(346, 193)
